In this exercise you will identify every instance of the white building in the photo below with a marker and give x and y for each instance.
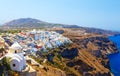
(15, 48)
(17, 61)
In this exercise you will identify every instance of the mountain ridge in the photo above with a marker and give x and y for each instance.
(21, 20)
(35, 23)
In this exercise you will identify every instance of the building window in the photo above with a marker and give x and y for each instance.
(13, 65)
(15, 51)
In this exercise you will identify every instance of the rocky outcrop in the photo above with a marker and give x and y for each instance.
(92, 55)
(86, 56)
(70, 53)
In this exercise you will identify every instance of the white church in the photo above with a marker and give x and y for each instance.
(17, 60)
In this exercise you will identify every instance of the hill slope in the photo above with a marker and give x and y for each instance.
(35, 23)
(86, 56)
(28, 22)
(23, 21)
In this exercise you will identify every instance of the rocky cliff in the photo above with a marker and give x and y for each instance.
(92, 56)
(86, 56)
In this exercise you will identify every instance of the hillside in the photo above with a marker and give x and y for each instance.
(28, 23)
(23, 21)
(86, 56)
(34, 23)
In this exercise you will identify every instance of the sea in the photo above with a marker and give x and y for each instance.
(114, 59)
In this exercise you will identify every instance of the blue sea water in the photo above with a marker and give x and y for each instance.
(116, 40)
(115, 58)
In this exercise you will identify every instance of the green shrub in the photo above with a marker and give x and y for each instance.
(6, 63)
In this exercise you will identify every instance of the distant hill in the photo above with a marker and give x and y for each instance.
(29, 23)
(35, 23)
(99, 31)
(23, 21)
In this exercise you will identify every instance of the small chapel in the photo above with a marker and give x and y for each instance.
(17, 60)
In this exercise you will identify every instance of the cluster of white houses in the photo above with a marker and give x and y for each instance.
(33, 41)
(28, 43)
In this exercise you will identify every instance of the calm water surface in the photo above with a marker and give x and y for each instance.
(115, 58)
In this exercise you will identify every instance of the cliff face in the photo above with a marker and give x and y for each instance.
(91, 59)
(86, 56)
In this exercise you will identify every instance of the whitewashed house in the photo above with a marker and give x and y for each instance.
(15, 48)
(17, 61)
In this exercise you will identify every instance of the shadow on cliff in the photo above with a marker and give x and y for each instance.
(70, 53)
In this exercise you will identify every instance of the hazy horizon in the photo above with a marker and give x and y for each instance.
(104, 14)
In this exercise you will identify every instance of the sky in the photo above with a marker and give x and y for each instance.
(103, 14)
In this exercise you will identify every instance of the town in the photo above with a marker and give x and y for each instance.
(17, 48)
